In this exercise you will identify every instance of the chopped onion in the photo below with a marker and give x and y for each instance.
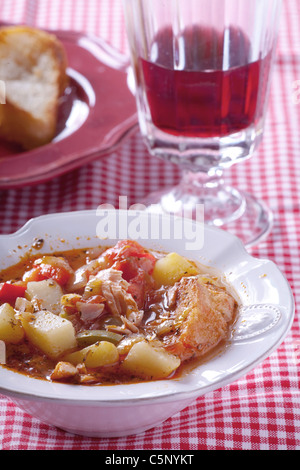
(23, 305)
(89, 311)
(80, 280)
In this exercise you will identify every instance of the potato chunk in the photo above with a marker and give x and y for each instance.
(148, 361)
(46, 294)
(11, 330)
(171, 268)
(50, 333)
(97, 355)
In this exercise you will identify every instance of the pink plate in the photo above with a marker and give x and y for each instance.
(96, 112)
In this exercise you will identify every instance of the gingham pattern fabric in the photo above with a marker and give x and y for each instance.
(261, 410)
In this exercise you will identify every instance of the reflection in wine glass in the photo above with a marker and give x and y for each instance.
(202, 75)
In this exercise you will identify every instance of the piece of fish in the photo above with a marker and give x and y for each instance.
(198, 319)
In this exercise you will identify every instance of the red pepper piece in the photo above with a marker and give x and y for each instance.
(9, 292)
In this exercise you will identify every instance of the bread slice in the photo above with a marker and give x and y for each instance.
(33, 67)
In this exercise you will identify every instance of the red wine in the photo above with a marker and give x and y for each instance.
(199, 92)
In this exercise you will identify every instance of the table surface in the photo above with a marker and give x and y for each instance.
(262, 409)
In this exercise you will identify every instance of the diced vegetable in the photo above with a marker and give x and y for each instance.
(23, 305)
(136, 264)
(33, 275)
(49, 332)
(11, 330)
(70, 300)
(88, 337)
(130, 251)
(9, 292)
(50, 267)
(97, 355)
(93, 288)
(69, 304)
(171, 268)
(46, 294)
(148, 361)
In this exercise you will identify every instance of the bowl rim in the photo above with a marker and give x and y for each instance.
(19, 386)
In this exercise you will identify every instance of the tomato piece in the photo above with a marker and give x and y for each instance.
(60, 275)
(33, 275)
(130, 249)
(10, 292)
(49, 267)
(128, 267)
(136, 264)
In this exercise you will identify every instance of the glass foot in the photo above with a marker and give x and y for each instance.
(254, 224)
(236, 212)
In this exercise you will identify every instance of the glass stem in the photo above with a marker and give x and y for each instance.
(220, 202)
(202, 184)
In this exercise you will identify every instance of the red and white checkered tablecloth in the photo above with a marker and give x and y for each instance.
(262, 409)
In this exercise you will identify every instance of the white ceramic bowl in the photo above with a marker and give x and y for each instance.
(110, 411)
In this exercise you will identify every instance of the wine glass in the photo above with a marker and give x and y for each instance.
(202, 77)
